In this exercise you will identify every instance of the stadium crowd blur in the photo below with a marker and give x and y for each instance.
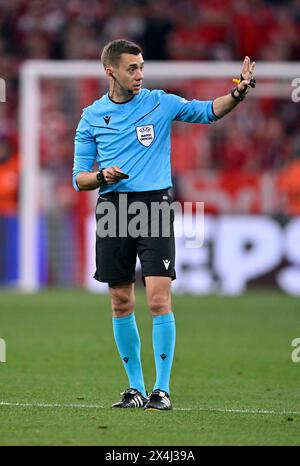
(261, 137)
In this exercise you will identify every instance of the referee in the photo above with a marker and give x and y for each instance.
(127, 132)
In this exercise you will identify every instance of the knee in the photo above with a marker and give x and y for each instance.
(159, 304)
(122, 303)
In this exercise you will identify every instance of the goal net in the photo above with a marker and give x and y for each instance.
(238, 166)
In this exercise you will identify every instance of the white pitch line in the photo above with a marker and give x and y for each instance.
(241, 411)
(96, 406)
(49, 405)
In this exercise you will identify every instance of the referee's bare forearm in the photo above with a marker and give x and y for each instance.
(86, 181)
(223, 105)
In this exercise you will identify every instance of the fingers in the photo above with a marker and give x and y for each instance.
(110, 174)
(116, 170)
(246, 79)
(243, 85)
(252, 67)
(248, 68)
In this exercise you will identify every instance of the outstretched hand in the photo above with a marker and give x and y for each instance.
(247, 74)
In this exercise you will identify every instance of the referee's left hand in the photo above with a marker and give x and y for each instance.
(247, 73)
(110, 174)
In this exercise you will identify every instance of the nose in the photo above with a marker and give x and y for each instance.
(139, 75)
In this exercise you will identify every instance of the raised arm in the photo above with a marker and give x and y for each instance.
(226, 103)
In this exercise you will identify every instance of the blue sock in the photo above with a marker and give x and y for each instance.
(163, 337)
(129, 345)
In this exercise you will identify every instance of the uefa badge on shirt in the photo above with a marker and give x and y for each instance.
(145, 134)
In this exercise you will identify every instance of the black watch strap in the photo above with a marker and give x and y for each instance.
(240, 97)
(100, 177)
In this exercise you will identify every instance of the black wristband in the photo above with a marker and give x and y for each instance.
(241, 92)
(100, 177)
(240, 97)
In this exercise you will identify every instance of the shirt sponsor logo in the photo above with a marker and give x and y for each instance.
(145, 134)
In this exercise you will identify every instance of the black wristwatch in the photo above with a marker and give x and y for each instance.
(241, 94)
(100, 177)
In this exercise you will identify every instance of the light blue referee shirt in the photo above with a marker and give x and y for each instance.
(136, 136)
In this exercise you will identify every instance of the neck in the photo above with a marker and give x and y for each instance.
(117, 94)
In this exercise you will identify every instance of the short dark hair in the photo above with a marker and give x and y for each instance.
(112, 51)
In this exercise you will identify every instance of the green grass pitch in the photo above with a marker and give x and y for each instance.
(233, 380)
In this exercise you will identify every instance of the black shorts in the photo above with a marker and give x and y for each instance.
(122, 235)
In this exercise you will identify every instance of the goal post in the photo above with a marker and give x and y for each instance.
(32, 72)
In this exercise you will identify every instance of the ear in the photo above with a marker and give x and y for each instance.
(108, 72)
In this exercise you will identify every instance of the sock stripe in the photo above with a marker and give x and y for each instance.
(158, 320)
